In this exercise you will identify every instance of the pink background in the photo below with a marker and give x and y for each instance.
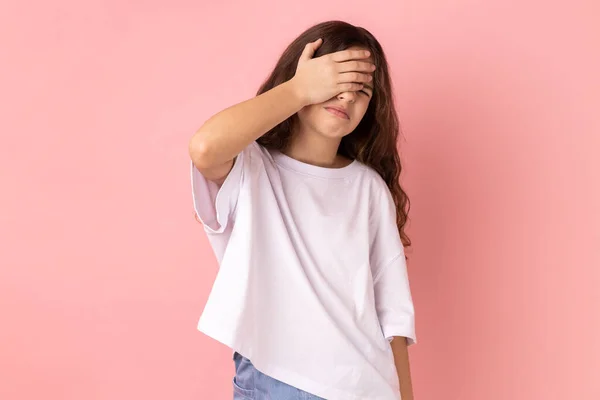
(104, 271)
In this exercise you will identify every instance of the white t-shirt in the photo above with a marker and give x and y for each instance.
(312, 276)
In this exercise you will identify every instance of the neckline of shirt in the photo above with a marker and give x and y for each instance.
(300, 166)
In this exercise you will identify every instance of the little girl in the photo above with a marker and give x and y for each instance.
(298, 192)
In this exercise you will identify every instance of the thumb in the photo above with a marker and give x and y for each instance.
(310, 48)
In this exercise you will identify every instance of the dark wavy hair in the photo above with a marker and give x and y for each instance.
(374, 140)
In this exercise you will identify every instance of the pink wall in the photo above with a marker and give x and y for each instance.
(104, 271)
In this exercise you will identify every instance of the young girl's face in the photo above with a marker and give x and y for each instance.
(322, 119)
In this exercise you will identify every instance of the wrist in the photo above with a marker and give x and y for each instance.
(297, 93)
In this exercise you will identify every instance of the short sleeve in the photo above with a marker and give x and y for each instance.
(214, 205)
(393, 299)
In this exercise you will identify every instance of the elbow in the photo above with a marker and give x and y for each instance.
(199, 151)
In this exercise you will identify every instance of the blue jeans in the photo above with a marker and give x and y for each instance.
(251, 384)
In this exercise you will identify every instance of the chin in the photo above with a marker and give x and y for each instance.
(334, 133)
(335, 129)
(329, 127)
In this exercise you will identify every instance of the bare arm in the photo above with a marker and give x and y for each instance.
(213, 147)
(399, 347)
(221, 138)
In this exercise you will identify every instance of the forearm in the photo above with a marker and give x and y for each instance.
(227, 133)
(400, 350)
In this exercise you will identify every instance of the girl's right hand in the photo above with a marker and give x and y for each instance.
(319, 79)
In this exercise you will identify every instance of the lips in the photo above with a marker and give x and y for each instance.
(340, 112)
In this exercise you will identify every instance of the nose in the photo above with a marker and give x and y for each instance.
(347, 96)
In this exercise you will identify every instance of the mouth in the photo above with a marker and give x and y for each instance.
(338, 112)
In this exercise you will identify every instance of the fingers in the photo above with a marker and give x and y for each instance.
(309, 49)
(349, 87)
(359, 66)
(346, 55)
(354, 77)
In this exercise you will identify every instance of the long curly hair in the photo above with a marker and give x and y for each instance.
(374, 140)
